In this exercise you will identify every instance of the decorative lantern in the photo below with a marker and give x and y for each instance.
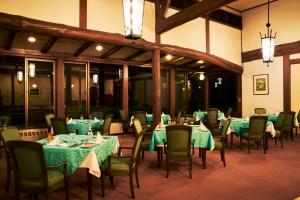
(201, 76)
(95, 79)
(31, 71)
(20, 76)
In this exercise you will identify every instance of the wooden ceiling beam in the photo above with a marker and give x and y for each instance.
(194, 11)
(136, 54)
(46, 48)
(111, 51)
(81, 49)
(10, 40)
(175, 60)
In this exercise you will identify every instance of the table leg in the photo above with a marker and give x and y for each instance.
(203, 152)
(158, 149)
(231, 140)
(89, 184)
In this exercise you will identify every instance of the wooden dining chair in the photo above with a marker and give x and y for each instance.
(286, 127)
(31, 173)
(59, 126)
(260, 111)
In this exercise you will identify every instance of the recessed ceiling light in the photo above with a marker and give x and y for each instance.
(200, 62)
(31, 39)
(99, 47)
(169, 57)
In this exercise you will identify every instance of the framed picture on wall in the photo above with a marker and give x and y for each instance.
(261, 84)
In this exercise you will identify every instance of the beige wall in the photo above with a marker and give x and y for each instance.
(272, 102)
(57, 11)
(295, 89)
(225, 42)
(284, 18)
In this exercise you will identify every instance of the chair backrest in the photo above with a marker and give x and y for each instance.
(136, 148)
(141, 115)
(29, 163)
(9, 135)
(48, 119)
(288, 122)
(212, 115)
(106, 125)
(226, 127)
(260, 110)
(59, 126)
(4, 120)
(123, 116)
(298, 116)
(137, 126)
(98, 115)
(229, 112)
(257, 125)
(179, 139)
(279, 121)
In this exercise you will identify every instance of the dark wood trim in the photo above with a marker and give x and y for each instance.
(207, 35)
(172, 98)
(192, 12)
(136, 54)
(81, 49)
(206, 94)
(239, 95)
(295, 61)
(125, 90)
(12, 76)
(111, 51)
(286, 83)
(60, 92)
(280, 50)
(83, 14)
(156, 99)
(175, 60)
(189, 63)
(257, 6)
(49, 44)
(10, 40)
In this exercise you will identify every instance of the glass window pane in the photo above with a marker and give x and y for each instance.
(165, 91)
(180, 92)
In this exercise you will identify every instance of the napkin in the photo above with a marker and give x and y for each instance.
(55, 141)
(99, 138)
(247, 118)
(163, 114)
(95, 118)
(70, 120)
(197, 118)
(202, 127)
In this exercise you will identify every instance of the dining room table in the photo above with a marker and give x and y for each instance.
(201, 137)
(82, 126)
(165, 118)
(80, 151)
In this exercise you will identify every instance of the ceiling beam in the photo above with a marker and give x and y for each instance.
(194, 11)
(46, 48)
(111, 51)
(175, 60)
(136, 54)
(10, 40)
(83, 47)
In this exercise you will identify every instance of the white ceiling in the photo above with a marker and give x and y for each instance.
(242, 5)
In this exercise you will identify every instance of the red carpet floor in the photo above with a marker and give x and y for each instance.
(275, 175)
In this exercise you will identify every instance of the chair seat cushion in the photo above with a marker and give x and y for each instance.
(145, 145)
(250, 137)
(218, 144)
(118, 166)
(277, 133)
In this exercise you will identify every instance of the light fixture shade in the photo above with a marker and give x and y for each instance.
(31, 71)
(133, 18)
(219, 81)
(201, 76)
(120, 72)
(216, 84)
(20, 76)
(95, 78)
(268, 46)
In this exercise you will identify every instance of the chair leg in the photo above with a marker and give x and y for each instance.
(46, 196)
(8, 173)
(143, 152)
(190, 167)
(66, 189)
(102, 185)
(167, 167)
(223, 157)
(111, 178)
(200, 153)
(137, 178)
(241, 142)
(292, 135)
(131, 186)
(248, 146)
(281, 142)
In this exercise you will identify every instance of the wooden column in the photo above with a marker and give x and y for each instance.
(172, 93)
(12, 89)
(286, 83)
(125, 90)
(156, 87)
(59, 85)
(207, 38)
(239, 95)
(83, 14)
(206, 89)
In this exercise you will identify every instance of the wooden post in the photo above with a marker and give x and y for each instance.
(172, 93)
(286, 83)
(59, 85)
(206, 87)
(239, 95)
(156, 87)
(125, 90)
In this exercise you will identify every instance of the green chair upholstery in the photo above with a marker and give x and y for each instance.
(138, 129)
(106, 125)
(125, 121)
(211, 120)
(179, 145)
(141, 115)
(260, 111)
(31, 173)
(59, 126)
(286, 128)
(229, 112)
(124, 165)
(4, 120)
(48, 119)
(5, 136)
(298, 118)
(220, 141)
(256, 131)
(279, 121)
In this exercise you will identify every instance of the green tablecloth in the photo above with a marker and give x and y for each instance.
(82, 125)
(165, 118)
(201, 115)
(75, 155)
(203, 139)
